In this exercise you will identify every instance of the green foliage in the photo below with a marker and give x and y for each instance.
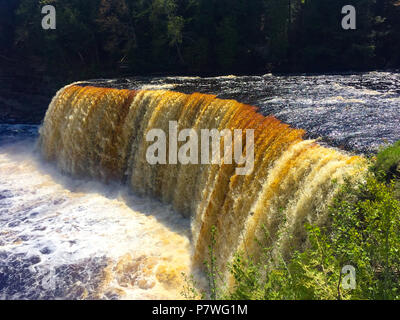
(388, 161)
(326, 46)
(189, 290)
(111, 37)
(366, 233)
(312, 274)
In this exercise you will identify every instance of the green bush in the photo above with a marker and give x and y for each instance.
(386, 166)
(366, 232)
(388, 161)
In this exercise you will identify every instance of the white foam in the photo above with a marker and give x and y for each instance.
(158, 86)
(72, 220)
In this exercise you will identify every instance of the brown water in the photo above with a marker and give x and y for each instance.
(100, 133)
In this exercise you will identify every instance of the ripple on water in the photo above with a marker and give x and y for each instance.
(316, 103)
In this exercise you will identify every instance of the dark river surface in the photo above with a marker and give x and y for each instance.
(357, 112)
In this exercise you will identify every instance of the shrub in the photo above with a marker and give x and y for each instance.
(364, 232)
(388, 162)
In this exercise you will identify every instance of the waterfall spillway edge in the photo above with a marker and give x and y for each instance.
(100, 133)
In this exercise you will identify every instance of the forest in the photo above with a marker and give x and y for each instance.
(96, 38)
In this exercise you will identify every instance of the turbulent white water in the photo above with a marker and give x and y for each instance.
(69, 238)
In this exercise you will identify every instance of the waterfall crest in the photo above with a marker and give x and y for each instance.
(100, 133)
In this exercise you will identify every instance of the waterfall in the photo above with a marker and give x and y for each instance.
(100, 133)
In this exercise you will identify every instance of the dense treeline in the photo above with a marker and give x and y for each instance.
(114, 37)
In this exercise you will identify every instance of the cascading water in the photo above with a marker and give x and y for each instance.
(100, 133)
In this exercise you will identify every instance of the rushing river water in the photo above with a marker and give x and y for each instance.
(64, 237)
(358, 112)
